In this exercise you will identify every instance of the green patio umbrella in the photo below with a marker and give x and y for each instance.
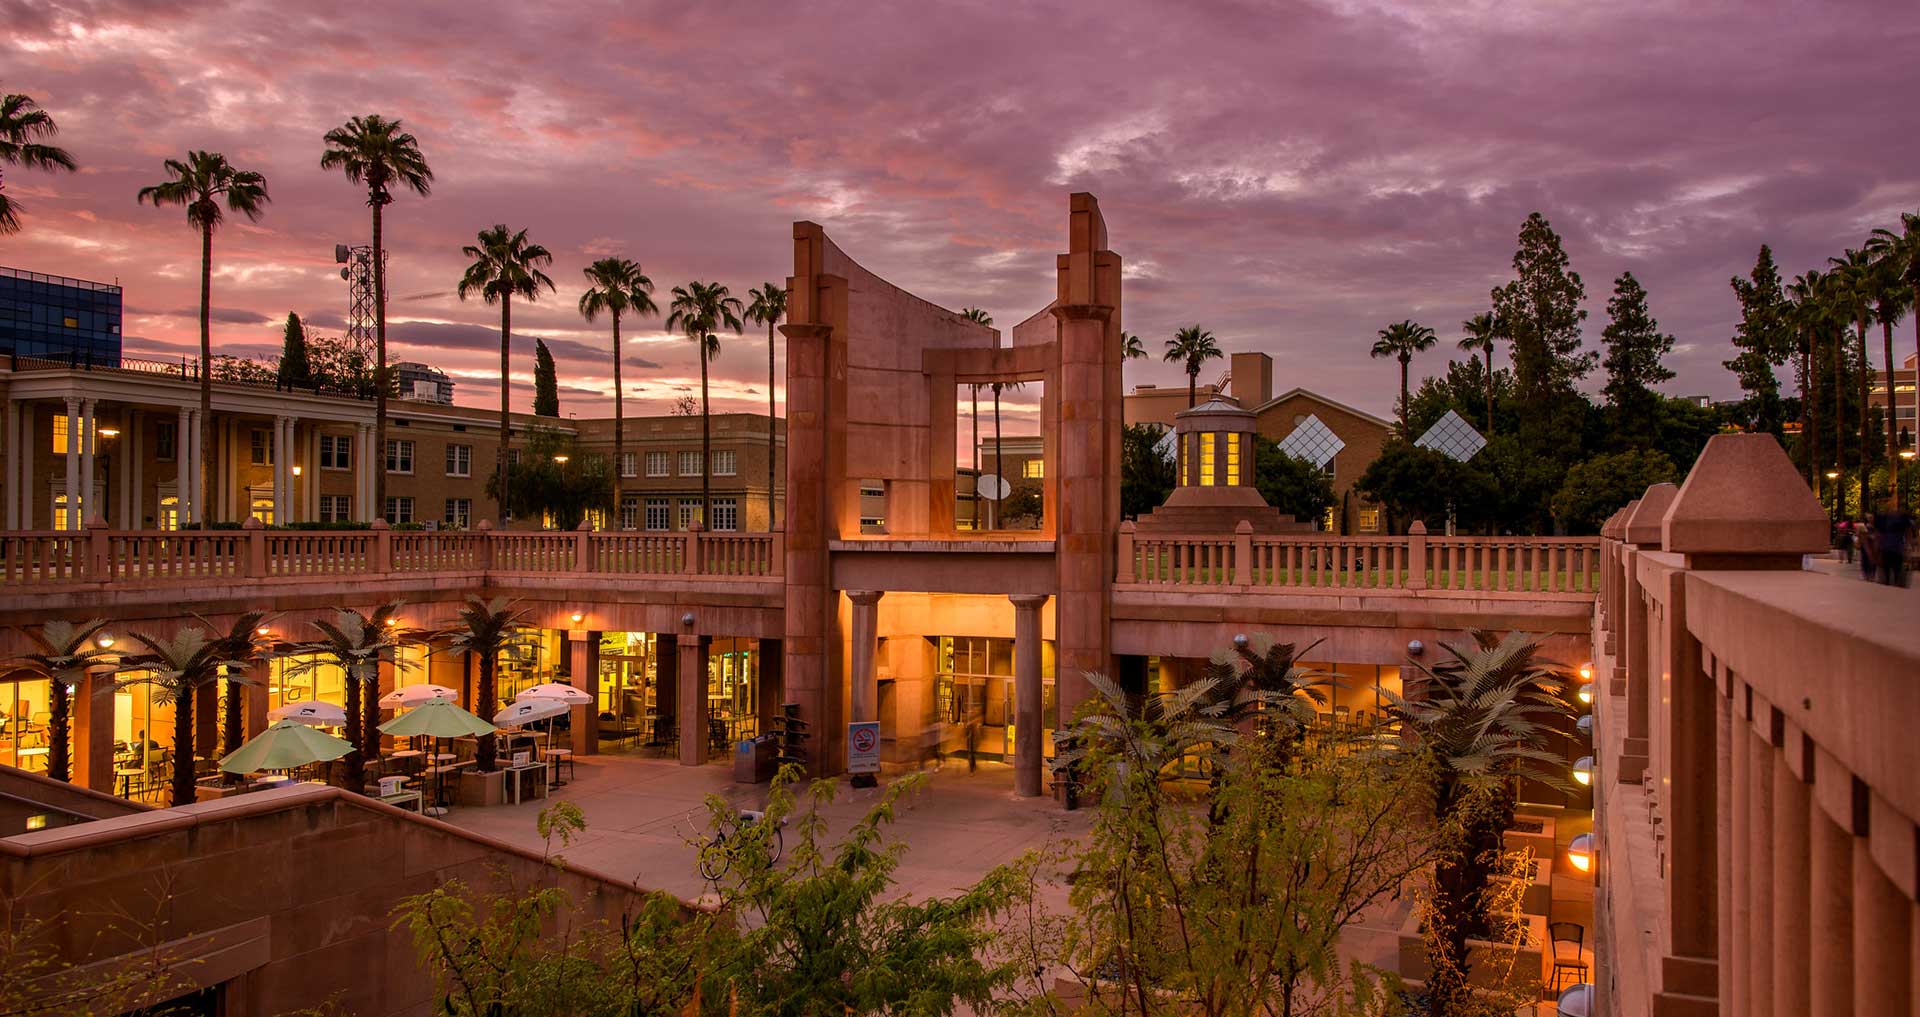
(283, 746)
(439, 718)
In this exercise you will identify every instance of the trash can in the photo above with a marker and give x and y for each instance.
(753, 759)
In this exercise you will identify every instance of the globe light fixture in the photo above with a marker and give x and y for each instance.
(577, 617)
(1586, 672)
(1585, 724)
(1585, 694)
(1580, 852)
(1583, 770)
(559, 459)
(296, 471)
(391, 622)
(263, 631)
(104, 640)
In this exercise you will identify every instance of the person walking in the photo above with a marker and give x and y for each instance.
(1892, 528)
(1868, 551)
(1843, 539)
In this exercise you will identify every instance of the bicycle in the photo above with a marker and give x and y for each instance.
(718, 857)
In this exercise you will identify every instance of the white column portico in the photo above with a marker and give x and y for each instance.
(182, 470)
(89, 437)
(70, 515)
(282, 469)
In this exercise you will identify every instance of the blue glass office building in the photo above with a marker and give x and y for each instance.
(57, 318)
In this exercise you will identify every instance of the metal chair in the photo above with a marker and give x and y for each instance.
(1567, 934)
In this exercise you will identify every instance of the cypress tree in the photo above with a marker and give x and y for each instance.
(295, 370)
(1541, 314)
(1634, 345)
(546, 390)
(1765, 339)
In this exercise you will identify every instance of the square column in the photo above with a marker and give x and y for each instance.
(88, 426)
(182, 473)
(691, 651)
(70, 517)
(194, 465)
(583, 721)
(865, 645)
(1027, 750)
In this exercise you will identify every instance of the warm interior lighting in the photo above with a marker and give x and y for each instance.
(1906, 453)
(559, 459)
(296, 471)
(1833, 474)
(1583, 770)
(1580, 852)
(108, 432)
(105, 640)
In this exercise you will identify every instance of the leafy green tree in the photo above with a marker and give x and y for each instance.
(1419, 483)
(63, 652)
(1463, 389)
(1191, 348)
(1856, 285)
(553, 481)
(486, 630)
(1290, 484)
(1595, 489)
(1400, 341)
(617, 287)
(699, 310)
(241, 370)
(245, 645)
(375, 151)
(505, 265)
(546, 387)
(1540, 314)
(1681, 428)
(25, 129)
(767, 304)
(356, 642)
(203, 183)
(294, 370)
(1147, 476)
(1635, 346)
(1482, 331)
(1765, 340)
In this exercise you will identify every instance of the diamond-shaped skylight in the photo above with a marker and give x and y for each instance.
(1453, 438)
(1314, 442)
(1167, 445)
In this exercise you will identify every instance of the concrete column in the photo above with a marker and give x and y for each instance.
(1882, 956)
(1723, 839)
(92, 731)
(1633, 756)
(863, 652)
(691, 651)
(584, 670)
(1792, 903)
(767, 698)
(88, 425)
(182, 470)
(1027, 750)
(70, 519)
(1759, 876)
(14, 479)
(135, 450)
(1741, 914)
(195, 467)
(1830, 987)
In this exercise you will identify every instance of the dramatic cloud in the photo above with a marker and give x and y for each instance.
(1292, 176)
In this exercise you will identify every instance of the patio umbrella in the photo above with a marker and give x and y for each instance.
(416, 695)
(525, 711)
(437, 719)
(555, 690)
(312, 711)
(283, 746)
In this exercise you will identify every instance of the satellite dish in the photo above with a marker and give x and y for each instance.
(991, 487)
(343, 273)
(340, 252)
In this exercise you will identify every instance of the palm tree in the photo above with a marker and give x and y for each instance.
(244, 645)
(617, 287)
(1807, 319)
(505, 265)
(1857, 283)
(1192, 347)
(203, 183)
(978, 317)
(1481, 331)
(63, 653)
(1483, 715)
(698, 310)
(1897, 274)
(374, 151)
(23, 125)
(1131, 347)
(487, 629)
(178, 668)
(769, 305)
(356, 643)
(1401, 340)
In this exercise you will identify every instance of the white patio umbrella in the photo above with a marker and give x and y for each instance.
(311, 711)
(524, 711)
(410, 696)
(555, 690)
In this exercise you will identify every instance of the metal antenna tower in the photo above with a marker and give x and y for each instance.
(358, 272)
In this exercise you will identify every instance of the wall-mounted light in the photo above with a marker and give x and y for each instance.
(1585, 695)
(1833, 474)
(391, 622)
(1580, 852)
(1583, 770)
(577, 617)
(559, 459)
(104, 640)
(1586, 672)
(1585, 724)
(296, 471)
(107, 432)
(1906, 453)
(263, 631)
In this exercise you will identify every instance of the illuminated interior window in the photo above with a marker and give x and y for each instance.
(60, 434)
(1206, 458)
(1034, 469)
(1233, 460)
(1369, 520)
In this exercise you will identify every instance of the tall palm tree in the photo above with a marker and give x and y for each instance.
(505, 265)
(617, 287)
(244, 645)
(768, 306)
(63, 652)
(1856, 283)
(1481, 330)
(1192, 347)
(356, 643)
(1808, 320)
(1131, 347)
(374, 151)
(204, 182)
(700, 309)
(178, 668)
(1485, 715)
(23, 128)
(487, 629)
(1896, 260)
(1401, 340)
(978, 317)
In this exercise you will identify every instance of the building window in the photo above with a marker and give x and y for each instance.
(595, 518)
(629, 512)
(60, 434)
(334, 454)
(1206, 458)
(262, 510)
(1233, 460)
(629, 464)
(399, 455)
(459, 460)
(657, 463)
(872, 492)
(1330, 519)
(689, 464)
(689, 514)
(399, 510)
(726, 513)
(459, 513)
(1369, 520)
(873, 524)
(659, 514)
(724, 463)
(336, 508)
(513, 457)
(1034, 469)
(163, 439)
(260, 448)
(170, 513)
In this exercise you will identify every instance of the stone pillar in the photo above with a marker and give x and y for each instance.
(15, 481)
(206, 720)
(1758, 875)
(88, 439)
(1830, 936)
(91, 728)
(366, 460)
(1882, 957)
(691, 679)
(182, 474)
(1741, 914)
(1792, 887)
(70, 519)
(1644, 533)
(1725, 728)
(810, 608)
(583, 720)
(1691, 738)
(1027, 694)
(282, 469)
(767, 698)
(196, 466)
(861, 654)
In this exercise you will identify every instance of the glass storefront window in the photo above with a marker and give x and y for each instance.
(302, 677)
(733, 671)
(628, 694)
(973, 686)
(24, 712)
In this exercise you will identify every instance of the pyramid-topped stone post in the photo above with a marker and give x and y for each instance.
(1643, 527)
(1744, 506)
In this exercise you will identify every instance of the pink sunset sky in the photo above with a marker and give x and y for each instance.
(1292, 176)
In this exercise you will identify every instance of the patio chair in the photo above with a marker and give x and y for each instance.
(1567, 938)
